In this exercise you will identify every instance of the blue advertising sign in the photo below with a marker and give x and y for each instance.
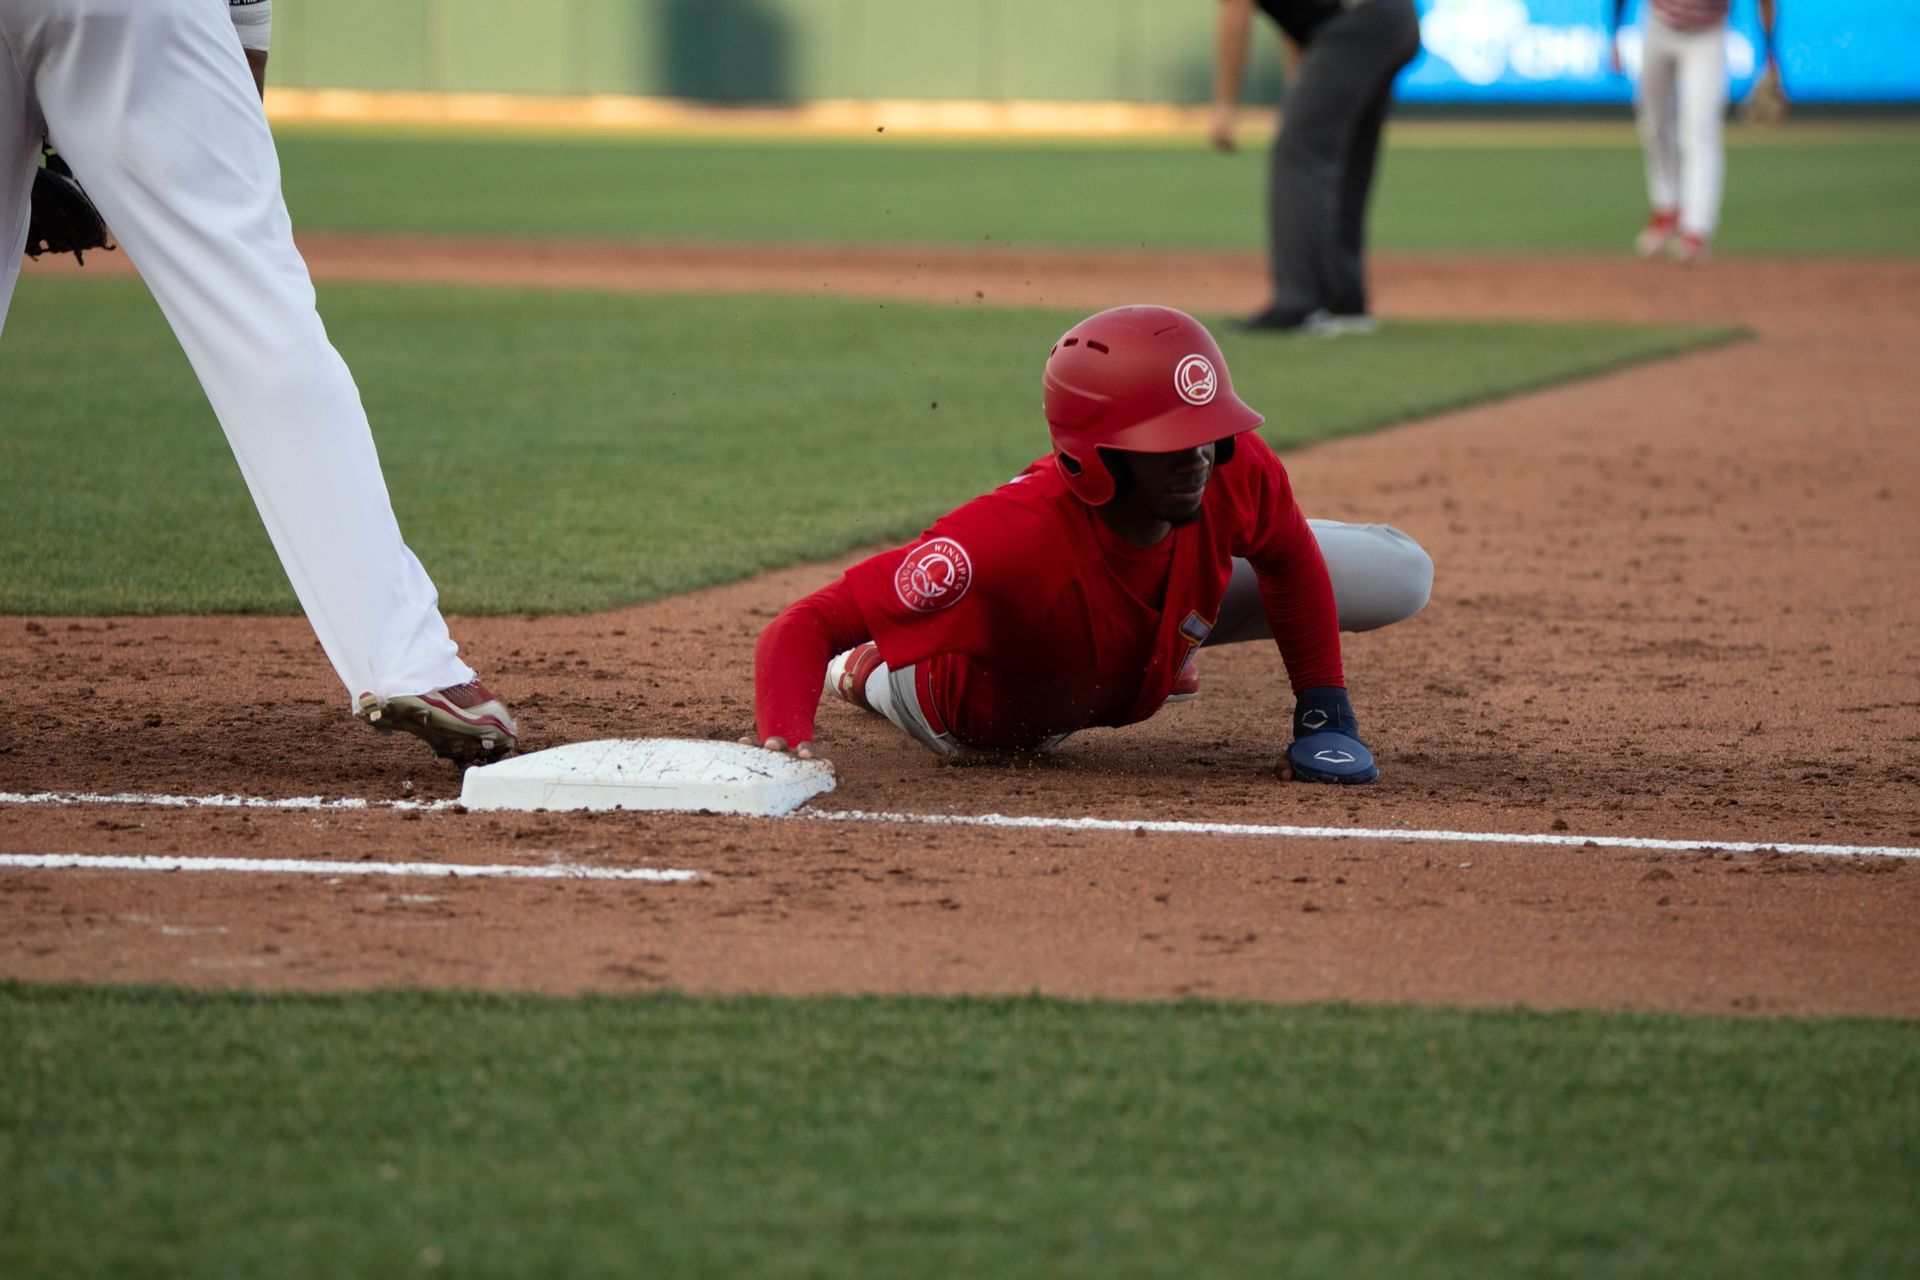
(1558, 51)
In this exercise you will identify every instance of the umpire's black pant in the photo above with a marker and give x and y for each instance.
(1323, 156)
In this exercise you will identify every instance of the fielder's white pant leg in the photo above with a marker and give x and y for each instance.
(1380, 576)
(1654, 112)
(1703, 110)
(152, 103)
(19, 157)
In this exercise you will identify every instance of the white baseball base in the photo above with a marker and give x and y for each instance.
(661, 774)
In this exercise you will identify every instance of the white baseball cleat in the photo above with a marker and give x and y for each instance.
(1691, 250)
(1654, 238)
(847, 674)
(463, 723)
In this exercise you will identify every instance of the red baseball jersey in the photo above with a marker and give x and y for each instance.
(1029, 618)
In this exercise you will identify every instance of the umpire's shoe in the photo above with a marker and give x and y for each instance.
(463, 723)
(1317, 323)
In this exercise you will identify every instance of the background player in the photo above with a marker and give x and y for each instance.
(155, 107)
(1321, 174)
(1077, 594)
(1679, 105)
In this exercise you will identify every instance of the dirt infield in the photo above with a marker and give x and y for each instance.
(1676, 602)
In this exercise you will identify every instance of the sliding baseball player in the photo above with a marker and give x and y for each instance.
(1080, 593)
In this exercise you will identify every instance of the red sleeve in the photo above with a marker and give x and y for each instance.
(790, 661)
(932, 597)
(1294, 585)
(942, 594)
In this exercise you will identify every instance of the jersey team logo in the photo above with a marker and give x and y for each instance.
(1195, 380)
(934, 575)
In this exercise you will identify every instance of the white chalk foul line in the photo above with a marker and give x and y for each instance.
(218, 802)
(1362, 833)
(301, 867)
(1547, 839)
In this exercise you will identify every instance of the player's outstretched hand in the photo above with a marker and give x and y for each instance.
(802, 752)
(1326, 740)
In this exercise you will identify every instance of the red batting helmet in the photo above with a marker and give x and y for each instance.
(1137, 380)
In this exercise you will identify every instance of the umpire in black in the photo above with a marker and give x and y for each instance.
(1338, 92)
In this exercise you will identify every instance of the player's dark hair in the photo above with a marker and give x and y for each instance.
(1118, 468)
(1223, 451)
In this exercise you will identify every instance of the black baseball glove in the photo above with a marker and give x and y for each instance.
(63, 220)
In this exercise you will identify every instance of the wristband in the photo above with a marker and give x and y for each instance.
(253, 19)
(1326, 740)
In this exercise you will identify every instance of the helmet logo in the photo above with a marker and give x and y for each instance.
(934, 575)
(1195, 380)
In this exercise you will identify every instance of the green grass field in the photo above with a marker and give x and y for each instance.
(574, 451)
(1839, 191)
(158, 1133)
(567, 451)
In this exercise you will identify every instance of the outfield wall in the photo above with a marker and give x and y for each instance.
(1138, 51)
(756, 50)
